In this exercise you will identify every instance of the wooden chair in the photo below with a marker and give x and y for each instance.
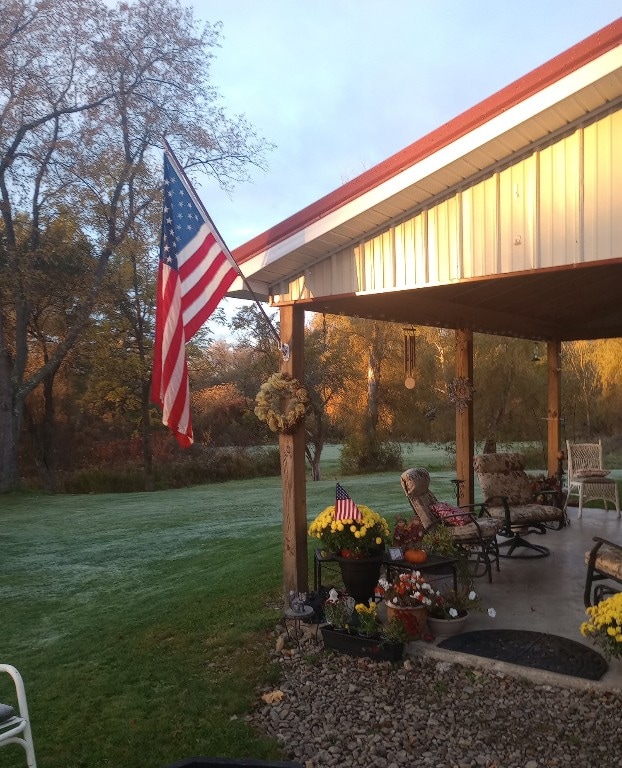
(15, 726)
(587, 478)
(475, 535)
(604, 564)
(508, 496)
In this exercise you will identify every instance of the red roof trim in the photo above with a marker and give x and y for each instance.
(580, 54)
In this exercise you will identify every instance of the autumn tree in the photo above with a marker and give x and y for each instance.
(88, 93)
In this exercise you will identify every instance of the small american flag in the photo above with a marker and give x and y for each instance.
(345, 508)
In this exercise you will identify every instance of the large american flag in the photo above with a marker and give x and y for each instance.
(195, 272)
(345, 508)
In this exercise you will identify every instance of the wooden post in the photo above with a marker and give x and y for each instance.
(292, 449)
(554, 357)
(464, 417)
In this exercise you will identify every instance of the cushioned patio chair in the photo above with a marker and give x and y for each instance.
(508, 496)
(604, 564)
(15, 725)
(587, 478)
(475, 534)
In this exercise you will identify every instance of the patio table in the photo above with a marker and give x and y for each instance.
(434, 565)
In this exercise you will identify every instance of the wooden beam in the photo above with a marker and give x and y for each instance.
(464, 417)
(554, 356)
(292, 450)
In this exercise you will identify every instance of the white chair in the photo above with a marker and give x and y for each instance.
(15, 726)
(587, 478)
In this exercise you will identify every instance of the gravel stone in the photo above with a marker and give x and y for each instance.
(348, 712)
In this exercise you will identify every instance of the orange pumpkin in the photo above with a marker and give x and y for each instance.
(415, 556)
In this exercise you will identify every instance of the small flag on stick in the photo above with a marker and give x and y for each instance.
(345, 508)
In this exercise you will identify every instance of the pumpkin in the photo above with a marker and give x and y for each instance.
(415, 556)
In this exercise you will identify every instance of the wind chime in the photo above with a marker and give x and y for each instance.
(410, 337)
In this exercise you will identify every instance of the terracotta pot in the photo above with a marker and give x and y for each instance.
(412, 617)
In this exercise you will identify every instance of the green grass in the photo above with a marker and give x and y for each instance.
(142, 623)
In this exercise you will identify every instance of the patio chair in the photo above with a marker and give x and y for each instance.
(587, 478)
(604, 563)
(508, 496)
(475, 534)
(15, 726)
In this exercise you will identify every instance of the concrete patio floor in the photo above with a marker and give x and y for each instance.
(546, 594)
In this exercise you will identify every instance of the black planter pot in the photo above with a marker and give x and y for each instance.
(360, 645)
(360, 576)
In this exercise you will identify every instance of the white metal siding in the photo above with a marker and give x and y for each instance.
(603, 189)
(560, 205)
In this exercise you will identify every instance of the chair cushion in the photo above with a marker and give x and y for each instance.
(608, 560)
(503, 474)
(6, 712)
(468, 534)
(527, 513)
(583, 473)
(416, 481)
(447, 511)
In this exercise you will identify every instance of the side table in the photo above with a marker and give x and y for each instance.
(296, 617)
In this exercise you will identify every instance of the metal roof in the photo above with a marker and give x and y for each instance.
(571, 301)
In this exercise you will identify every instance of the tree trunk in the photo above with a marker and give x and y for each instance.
(10, 423)
(42, 436)
(373, 378)
(147, 438)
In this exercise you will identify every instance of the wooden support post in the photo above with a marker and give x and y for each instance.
(292, 449)
(554, 357)
(464, 417)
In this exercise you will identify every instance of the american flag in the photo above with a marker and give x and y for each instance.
(345, 508)
(195, 272)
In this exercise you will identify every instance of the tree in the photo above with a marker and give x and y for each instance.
(326, 350)
(88, 92)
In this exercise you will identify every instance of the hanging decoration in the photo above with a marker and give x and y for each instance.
(460, 392)
(410, 340)
(281, 403)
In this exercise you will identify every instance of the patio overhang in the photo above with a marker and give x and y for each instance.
(506, 220)
(571, 293)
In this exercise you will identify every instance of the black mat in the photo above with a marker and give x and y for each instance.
(531, 649)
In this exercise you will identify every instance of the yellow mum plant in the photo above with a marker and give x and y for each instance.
(604, 625)
(360, 538)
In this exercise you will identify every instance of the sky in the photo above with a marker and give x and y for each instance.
(340, 85)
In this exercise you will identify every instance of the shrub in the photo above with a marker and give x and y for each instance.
(199, 465)
(362, 454)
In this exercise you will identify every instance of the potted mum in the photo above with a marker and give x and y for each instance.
(357, 545)
(408, 597)
(355, 629)
(604, 625)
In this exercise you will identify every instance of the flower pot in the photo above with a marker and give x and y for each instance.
(442, 628)
(412, 617)
(360, 576)
(359, 645)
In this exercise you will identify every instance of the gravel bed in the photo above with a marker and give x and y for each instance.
(334, 710)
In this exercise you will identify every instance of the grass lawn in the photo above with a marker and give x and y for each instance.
(142, 623)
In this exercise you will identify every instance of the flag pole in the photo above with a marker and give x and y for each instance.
(284, 348)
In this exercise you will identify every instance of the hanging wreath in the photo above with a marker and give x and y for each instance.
(281, 402)
(460, 392)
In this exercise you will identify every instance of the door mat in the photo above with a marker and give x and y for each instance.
(531, 649)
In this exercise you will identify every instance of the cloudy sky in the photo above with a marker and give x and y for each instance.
(340, 85)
